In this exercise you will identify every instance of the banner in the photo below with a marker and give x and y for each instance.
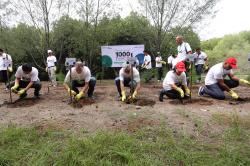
(115, 56)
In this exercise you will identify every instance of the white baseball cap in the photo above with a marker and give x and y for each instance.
(50, 51)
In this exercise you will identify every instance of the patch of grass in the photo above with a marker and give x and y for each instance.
(148, 146)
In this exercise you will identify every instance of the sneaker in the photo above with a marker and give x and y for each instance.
(161, 96)
(201, 91)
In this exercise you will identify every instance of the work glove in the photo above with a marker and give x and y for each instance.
(10, 69)
(163, 62)
(242, 81)
(180, 91)
(46, 69)
(73, 93)
(14, 88)
(21, 92)
(206, 67)
(187, 91)
(233, 94)
(79, 96)
(134, 95)
(123, 96)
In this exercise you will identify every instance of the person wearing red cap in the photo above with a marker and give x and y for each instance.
(216, 84)
(175, 83)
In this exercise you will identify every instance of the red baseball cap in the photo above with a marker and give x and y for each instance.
(180, 66)
(232, 62)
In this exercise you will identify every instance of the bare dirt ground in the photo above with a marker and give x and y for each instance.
(195, 117)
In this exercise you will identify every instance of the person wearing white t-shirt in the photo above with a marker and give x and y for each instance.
(216, 84)
(5, 67)
(200, 62)
(51, 67)
(158, 65)
(147, 64)
(125, 80)
(183, 50)
(80, 77)
(170, 61)
(26, 78)
(175, 83)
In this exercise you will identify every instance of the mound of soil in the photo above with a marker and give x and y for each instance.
(82, 103)
(240, 101)
(26, 102)
(142, 102)
(198, 101)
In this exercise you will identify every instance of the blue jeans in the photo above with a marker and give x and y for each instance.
(217, 92)
(127, 83)
(199, 70)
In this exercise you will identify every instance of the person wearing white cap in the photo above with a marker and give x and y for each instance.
(4, 69)
(51, 67)
(125, 80)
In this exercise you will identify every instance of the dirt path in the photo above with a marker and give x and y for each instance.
(106, 113)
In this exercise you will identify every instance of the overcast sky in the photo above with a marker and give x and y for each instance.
(233, 16)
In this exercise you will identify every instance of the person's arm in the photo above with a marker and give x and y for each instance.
(233, 77)
(138, 86)
(85, 88)
(29, 85)
(223, 85)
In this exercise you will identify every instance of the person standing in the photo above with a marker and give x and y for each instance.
(216, 84)
(200, 63)
(5, 67)
(159, 67)
(170, 61)
(26, 78)
(51, 68)
(147, 64)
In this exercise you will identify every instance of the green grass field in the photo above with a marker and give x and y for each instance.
(147, 146)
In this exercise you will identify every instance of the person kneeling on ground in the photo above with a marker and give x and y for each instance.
(125, 80)
(175, 83)
(26, 78)
(80, 77)
(215, 82)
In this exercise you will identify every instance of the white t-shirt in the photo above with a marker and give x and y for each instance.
(216, 72)
(183, 49)
(172, 78)
(123, 75)
(158, 63)
(147, 58)
(3, 61)
(32, 76)
(51, 60)
(170, 59)
(85, 75)
(200, 59)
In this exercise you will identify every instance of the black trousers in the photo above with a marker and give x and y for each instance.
(76, 84)
(160, 73)
(173, 94)
(4, 76)
(23, 84)
(127, 83)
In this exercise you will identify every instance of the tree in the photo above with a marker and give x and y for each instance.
(167, 14)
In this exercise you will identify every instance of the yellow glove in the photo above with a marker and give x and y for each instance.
(187, 91)
(14, 88)
(10, 69)
(163, 62)
(242, 81)
(79, 96)
(22, 91)
(134, 95)
(73, 93)
(206, 67)
(180, 91)
(233, 94)
(123, 96)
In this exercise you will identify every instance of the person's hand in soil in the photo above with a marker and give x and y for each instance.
(123, 96)
(79, 96)
(233, 94)
(242, 81)
(21, 92)
(71, 92)
(14, 88)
